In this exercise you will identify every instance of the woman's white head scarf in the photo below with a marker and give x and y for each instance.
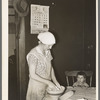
(47, 38)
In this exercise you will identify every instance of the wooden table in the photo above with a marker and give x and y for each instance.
(88, 93)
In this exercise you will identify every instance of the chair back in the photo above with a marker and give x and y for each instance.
(73, 74)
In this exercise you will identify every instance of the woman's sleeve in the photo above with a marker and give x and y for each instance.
(32, 62)
(31, 59)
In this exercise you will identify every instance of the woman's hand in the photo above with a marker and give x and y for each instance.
(51, 85)
(58, 85)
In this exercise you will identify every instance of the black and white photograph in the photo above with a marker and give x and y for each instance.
(52, 50)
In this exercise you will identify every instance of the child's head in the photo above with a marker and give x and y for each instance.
(81, 77)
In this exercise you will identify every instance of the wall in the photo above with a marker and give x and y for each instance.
(67, 21)
(90, 37)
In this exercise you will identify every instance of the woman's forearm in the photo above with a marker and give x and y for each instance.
(53, 77)
(34, 76)
(40, 79)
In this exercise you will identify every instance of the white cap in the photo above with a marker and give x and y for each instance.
(47, 38)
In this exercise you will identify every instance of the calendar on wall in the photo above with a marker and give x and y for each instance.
(39, 18)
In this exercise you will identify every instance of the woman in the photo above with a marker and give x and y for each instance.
(41, 72)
